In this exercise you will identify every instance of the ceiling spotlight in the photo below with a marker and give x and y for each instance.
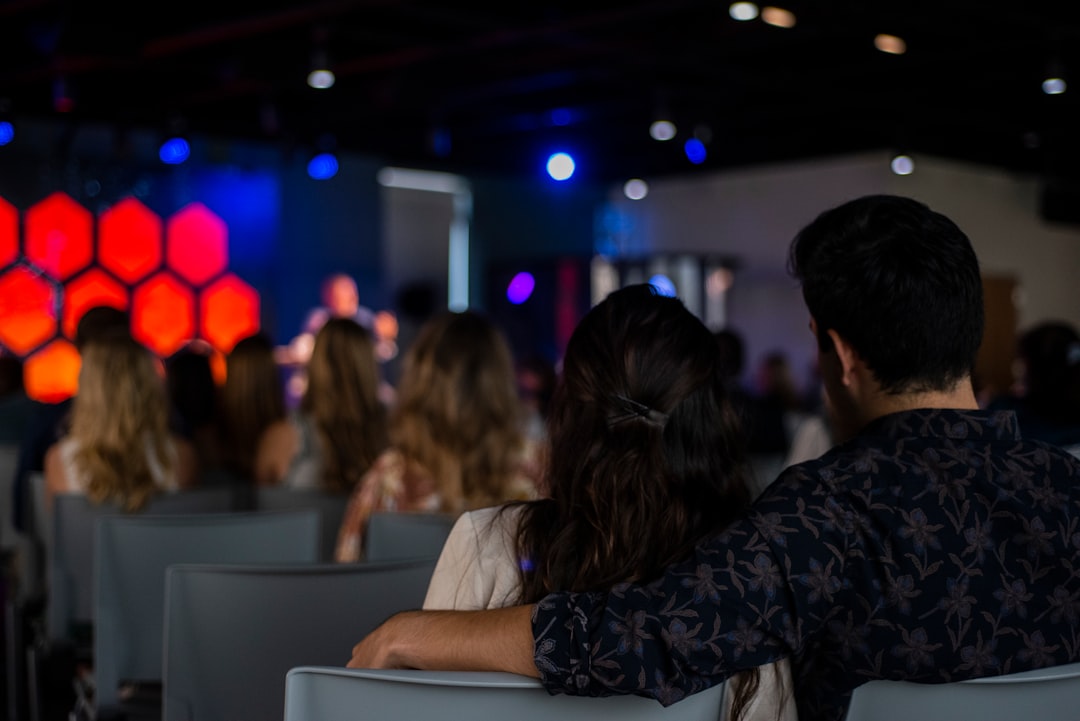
(560, 166)
(662, 130)
(321, 76)
(174, 151)
(743, 11)
(1054, 86)
(322, 167)
(890, 44)
(7, 132)
(778, 17)
(695, 151)
(903, 165)
(636, 189)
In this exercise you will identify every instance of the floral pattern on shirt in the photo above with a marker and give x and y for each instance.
(935, 546)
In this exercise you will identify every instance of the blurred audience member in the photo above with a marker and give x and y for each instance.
(1046, 397)
(252, 400)
(340, 427)
(119, 447)
(536, 377)
(456, 432)
(51, 421)
(193, 397)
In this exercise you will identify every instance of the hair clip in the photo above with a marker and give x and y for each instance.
(634, 409)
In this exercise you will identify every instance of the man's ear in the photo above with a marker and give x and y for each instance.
(846, 355)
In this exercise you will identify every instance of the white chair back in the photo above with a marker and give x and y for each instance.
(322, 693)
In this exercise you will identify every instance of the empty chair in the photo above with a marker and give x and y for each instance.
(1048, 694)
(323, 693)
(233, 632)
(393, 535)
(131, 555)
(330, 505)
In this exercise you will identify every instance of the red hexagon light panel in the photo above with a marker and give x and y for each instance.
(171, 275)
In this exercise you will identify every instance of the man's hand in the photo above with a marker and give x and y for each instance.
(496, 640)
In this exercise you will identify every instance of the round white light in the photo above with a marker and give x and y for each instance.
(743, 11)
(560, 166)
(1054, 86)
(662, 130)
(320, 79)
(903, 165)
(636, 189)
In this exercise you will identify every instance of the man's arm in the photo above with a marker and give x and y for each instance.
(499, 639)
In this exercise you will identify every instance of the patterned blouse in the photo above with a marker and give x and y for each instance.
(935, 546)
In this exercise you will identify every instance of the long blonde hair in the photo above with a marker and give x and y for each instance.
(119, 420)
(342, 400)
(457, 414)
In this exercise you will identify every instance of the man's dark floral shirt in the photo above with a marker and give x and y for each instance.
(935, 546)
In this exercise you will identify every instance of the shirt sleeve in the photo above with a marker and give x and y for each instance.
(728, 608)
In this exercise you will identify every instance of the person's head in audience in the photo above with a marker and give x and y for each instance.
(11, 375)
(457, 412)
(341, 398)
(252, 399)
(101, 321)
(119, 423)
(646, 455)
(898, 285)
(193, 392)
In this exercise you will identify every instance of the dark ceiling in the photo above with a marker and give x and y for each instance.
(486, 87)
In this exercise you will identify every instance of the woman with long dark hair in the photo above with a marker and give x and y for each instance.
(646, 459)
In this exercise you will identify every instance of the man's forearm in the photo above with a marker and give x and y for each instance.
(494, 640)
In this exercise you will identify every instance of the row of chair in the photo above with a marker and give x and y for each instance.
(107, 570)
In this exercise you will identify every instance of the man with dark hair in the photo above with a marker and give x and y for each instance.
(932, 544)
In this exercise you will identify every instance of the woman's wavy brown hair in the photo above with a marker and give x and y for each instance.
(252, 399)
(341, 399)
(119, 416)
(457, 413)
(646, 455)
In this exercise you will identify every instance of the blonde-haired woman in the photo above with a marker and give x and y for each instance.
(341, 425)
(455, 430)
(119, 448)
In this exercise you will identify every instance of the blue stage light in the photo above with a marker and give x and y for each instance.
(7, 132)
(695, 151)
(663, 285)
(322, 167)
(174, 151)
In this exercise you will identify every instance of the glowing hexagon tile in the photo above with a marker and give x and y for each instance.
(52, 374)
(9, 233)
(27, 309)
(59, 236)
(94, 287)
(229, 310)
(163, 313)
(129, 240)
(196, 243)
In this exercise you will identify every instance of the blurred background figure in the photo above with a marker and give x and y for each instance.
(340, 298)
(1046, 394)
(340, 426)
(119, 447)
(52, 420)
(193, 397)
(536, 377)
(456, 439)
(252, 400)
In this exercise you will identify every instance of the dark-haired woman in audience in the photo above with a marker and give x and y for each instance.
(340, 427)
(119, 448)
(456, 431)
(252, 400)
(642, 401)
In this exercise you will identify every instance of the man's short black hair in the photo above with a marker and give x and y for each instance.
(900, 283)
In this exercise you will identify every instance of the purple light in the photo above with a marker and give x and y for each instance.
(520, 288)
